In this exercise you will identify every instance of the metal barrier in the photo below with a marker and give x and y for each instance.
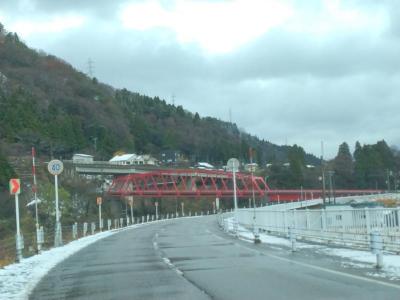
(349, 227)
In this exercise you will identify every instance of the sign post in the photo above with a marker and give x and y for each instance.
(55, 167)
(15, 189)
(99, 201)
(131, 205)
(233, 165)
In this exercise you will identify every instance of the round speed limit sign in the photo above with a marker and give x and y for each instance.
(55, 167)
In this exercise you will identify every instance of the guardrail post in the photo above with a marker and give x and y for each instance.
(292, 237)
(19, 243)
(85, 228)
(93, 227)
(376, 244)
(108, 224)
(323, 217)
(256, 233)
(367, 223)
(74, 231)
(285, 222)
(41, 238)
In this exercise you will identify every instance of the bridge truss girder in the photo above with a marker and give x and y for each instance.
(188, 183)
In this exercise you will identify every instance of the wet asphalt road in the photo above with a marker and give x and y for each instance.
(192, 259)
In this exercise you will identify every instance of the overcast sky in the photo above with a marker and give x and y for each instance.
(290, 71)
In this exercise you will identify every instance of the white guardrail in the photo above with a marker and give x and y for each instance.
(351, 227)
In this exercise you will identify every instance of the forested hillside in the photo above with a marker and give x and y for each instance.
(48, 104)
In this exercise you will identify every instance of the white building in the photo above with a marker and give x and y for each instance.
(124, 159)
(205, 166)
(133, 159)
(149, 160)
(251, 167)
(79, 158)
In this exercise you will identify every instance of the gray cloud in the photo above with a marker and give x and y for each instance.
(282, 86)
(99, 8)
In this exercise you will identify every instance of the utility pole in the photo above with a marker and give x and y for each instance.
(388, 179)
(34, 189)
(95, 144)
(330, 185)
(323, 172)
(255, 229)
(301, 193)
(99, 201)
(234, 164)
(131, 204)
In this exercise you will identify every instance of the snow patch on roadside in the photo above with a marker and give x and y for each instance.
(352, 258)
(19, 279)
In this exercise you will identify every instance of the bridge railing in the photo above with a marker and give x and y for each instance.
(348, 227)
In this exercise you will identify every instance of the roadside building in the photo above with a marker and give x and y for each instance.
(172, 157)
(251, 167)
(80, 158)
(124, 159)
(133, 159)
(204, 166)
(149, 160)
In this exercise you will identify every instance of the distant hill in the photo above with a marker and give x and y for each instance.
(46, 103)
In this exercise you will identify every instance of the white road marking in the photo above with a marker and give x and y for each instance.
(371, 280)
(166, 260)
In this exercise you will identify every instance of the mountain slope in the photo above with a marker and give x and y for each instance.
(45, 102)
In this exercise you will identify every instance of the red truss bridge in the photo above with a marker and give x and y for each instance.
(187, 183)
(191, 183)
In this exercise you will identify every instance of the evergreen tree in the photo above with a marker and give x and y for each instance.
(343, 167)
(296, 158)
(6, 172)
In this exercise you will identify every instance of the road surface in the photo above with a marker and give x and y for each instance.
(192, 259)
